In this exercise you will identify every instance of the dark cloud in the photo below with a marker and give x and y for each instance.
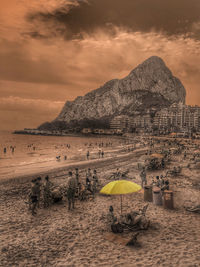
(171, 17)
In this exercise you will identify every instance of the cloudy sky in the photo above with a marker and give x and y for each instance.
(52, 51)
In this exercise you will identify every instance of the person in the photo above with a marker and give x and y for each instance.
(39, 185)
(34, 196)
(153, 181)
(143, 177)
(163, 163)
(89, 174)
(102, 154)
(157, 181)
(99, 154)
(118, 174)
(71, 190)
(137, 218)
(77, 175)
(88, 185)
(47, 192)
(88, 154)
(4, 150)
(65, 157)
(165, 186)
(162, 181)
(95, 181)
(58, 158)
(110, 216)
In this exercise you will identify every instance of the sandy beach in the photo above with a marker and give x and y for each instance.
(81, 237)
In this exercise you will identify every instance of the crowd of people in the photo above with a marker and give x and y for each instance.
(44, 193)
(159, 181)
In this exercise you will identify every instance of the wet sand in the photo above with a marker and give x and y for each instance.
(58, 237)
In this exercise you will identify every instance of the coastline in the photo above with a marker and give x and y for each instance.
(73, 165)
(74, 134)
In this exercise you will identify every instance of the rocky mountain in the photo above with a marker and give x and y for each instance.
(151, 85)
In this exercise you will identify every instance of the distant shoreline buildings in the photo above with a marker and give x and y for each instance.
(178, 118)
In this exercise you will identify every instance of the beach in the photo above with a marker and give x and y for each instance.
(82, 237)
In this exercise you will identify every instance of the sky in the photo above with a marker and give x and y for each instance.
(52, 51)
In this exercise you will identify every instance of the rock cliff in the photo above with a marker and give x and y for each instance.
(150, 85)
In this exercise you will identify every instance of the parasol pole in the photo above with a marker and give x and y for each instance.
(121, 203)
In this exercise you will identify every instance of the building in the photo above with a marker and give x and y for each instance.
(176, 118)
(120, 123)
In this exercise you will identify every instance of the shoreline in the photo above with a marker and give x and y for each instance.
(23, 132)
(78, 164)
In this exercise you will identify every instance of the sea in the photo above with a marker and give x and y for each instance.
(28, 154)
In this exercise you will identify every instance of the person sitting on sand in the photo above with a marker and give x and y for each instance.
(58, 158)
(118, 174)
(130, 218)
(111, 218)
(140, 220)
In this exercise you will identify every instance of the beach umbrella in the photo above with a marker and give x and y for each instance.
(120, 187)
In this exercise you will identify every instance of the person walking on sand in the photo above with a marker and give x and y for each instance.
(71, 190)
(102, 153)
(143, 177)
(88, 155)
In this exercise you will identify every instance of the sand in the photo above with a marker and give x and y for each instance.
(81, 237)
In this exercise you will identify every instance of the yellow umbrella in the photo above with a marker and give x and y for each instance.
(120, 187)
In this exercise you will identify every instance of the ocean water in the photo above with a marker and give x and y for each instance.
(27, 154)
